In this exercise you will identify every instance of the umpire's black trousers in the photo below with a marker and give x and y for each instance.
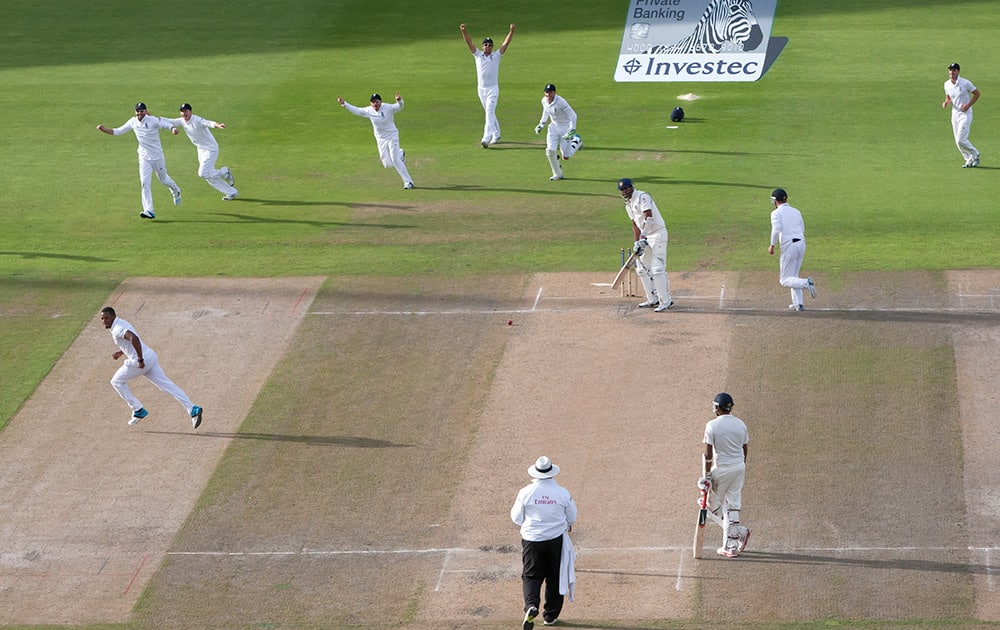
(541, 563)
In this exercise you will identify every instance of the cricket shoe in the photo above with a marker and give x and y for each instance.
(228, 176)
(495, 140)
(147, 214)
(529, 618)
(408, 186)
(649, 304)
(796, 307)
(177, 197)
(744, 539)
(556, 178)
(974, 163)
(728, 552)
(231, 196)
(196, 412)
(485, 143)
(137, 416)
(811, 286)
(663, 307)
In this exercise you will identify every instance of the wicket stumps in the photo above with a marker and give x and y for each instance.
(630, 283)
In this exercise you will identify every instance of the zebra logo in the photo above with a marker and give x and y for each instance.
(726, 26)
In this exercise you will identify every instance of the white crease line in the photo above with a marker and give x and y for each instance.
(580, 550)
(444, 568)
(722, 297)
(538, 297)
(680, 573)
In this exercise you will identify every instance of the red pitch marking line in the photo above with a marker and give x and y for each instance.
(136, 574)
(299, 301)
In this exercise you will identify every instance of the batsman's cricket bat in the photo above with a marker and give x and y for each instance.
(623, 271)
(699, 530)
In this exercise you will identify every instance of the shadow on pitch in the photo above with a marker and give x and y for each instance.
(317, 440)
(33, 255)
(867, 563)
(247, 218)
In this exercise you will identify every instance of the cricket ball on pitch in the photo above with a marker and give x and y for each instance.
(510, 322)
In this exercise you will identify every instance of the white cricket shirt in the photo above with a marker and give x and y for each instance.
(544, 510)
(147, 132)
(727, 434)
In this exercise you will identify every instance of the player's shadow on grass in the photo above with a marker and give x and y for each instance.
(317, 440)
(900, 564)
(246, 218)
(32, 255)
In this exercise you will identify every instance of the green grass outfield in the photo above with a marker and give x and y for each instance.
(848, 120)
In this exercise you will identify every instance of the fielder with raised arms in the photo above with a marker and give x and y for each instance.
(650, 245)
(488, 81)
(386, 134)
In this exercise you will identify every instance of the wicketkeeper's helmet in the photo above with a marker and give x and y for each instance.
(724, 402)
(677, 115)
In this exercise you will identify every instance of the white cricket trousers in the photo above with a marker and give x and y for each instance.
(961, 122)
(652, 268)
(146, 170)
(129, 370)
(391, 155)
(727, 493)
(489, 98)
(790, 262)
(212, 175)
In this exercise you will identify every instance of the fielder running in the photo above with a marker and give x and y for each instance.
(488, 81)
(199, 131)
(961, 95)
(650, 246)
(151, 158)
(726, 440)
(788, 229)
(386, 134)
(140, 360)
(556, 110)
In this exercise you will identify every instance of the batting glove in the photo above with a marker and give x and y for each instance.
(639, 246)
(704, 484)
(539, 128)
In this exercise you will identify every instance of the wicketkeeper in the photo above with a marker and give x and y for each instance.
(562, 130)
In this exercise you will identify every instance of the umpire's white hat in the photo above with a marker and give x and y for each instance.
(543, 468)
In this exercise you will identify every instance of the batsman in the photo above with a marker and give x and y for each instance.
(726, 438)
(650, 246)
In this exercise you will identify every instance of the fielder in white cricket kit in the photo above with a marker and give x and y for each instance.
(788, 229)
(382, 117)
(726, 439)
(488, 81)
(961, 95)
(556, 110)
(650, 245)
(199, 131)
(151, 159)
(140, 360)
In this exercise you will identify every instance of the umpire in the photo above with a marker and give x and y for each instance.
(545, 511)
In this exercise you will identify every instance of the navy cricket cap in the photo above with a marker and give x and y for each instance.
(954, 66)
(184, 106)
(375, 97)
(140, 106)
(488, 40)
(624, 183)
(779, 195)
(550, 88)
